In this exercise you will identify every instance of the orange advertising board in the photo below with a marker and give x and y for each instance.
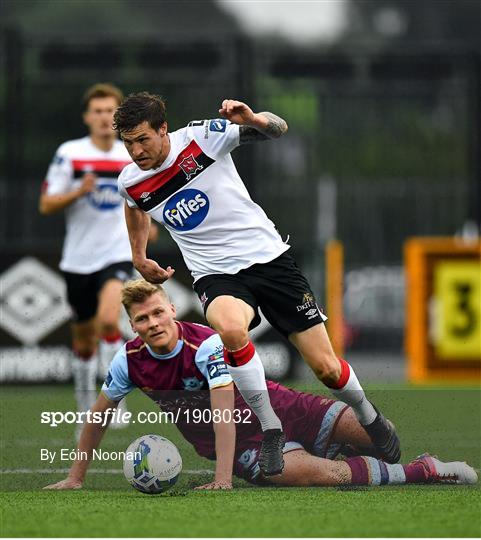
(443, 309)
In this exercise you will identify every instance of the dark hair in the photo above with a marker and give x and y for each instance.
(139, 108)
(101, 90)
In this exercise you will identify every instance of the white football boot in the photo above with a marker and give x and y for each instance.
(453, 472)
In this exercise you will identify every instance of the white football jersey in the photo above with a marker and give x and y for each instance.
(198, 195)
(96, 233)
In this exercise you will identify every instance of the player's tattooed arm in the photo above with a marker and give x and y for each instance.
(252, 126)
(274, 128)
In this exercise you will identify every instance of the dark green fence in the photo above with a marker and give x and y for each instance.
(395, 137)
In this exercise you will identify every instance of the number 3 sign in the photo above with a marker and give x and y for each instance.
(457, 290)
(443, 319)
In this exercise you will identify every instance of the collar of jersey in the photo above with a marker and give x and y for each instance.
(172, 353)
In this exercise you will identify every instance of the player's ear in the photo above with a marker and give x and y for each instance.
(174, 311)
(85, 118)
(163, 129)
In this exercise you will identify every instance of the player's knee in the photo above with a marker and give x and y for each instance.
(108, 327)
(85, 348)
(234, 335)
(84, 351)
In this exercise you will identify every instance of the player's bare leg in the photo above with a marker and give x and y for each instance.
(303, 469)
(315, 347)
(231, 317)
(84, 364)
(353, 437)
(351, 434)
(108, 315)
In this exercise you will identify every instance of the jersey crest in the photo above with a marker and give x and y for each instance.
(190, 166)
(156, 189)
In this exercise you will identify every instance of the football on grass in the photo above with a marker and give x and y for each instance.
(152, 464)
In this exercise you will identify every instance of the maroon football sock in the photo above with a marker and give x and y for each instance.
(368, 471)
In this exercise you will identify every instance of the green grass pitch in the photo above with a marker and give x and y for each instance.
(443, 420)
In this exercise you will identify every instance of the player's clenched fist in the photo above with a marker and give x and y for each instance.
(88, 183)
(237, 112)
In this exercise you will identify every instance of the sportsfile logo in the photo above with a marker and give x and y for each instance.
(186, 209)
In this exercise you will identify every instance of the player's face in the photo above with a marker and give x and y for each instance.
(153, 320)
(147, 147)
(99, 116)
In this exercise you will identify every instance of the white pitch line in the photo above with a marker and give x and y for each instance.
(33, 442)
(91, 471)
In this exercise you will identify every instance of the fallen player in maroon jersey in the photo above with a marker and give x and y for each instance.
(180, 366)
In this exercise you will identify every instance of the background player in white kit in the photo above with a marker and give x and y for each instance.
(96, 258)
(187, 181)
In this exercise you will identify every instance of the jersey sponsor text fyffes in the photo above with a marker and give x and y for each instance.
(198, 196)
(186, 209)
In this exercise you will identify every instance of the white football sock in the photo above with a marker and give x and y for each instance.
(353, 394)
(250, 380)
(84, 375)
(107, 351)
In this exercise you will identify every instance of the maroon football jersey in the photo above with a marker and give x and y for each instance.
(179, 387)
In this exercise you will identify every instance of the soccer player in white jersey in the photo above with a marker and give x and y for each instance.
(96, 258)
(186, 180)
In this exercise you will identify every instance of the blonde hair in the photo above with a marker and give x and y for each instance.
(102, 90)
(137, 291)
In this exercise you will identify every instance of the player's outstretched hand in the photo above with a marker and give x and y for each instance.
(68, 483)
(237, 112)
(152, 272)
(222, 484)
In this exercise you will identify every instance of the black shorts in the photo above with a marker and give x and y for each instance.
(83, 289)
(278, 288)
